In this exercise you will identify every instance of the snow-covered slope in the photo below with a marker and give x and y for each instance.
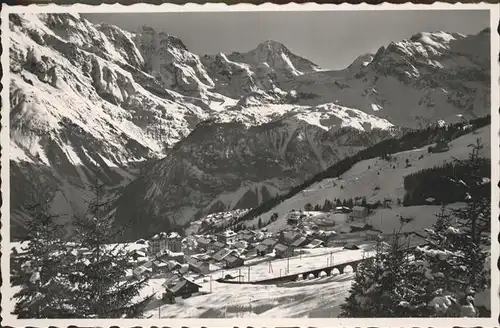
(377, 180)
(92, 100)
(79, 110)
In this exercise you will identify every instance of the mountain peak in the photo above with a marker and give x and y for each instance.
(172, 40)
(271, 45)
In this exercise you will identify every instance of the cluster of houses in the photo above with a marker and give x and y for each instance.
(296, 218)
(172, 257)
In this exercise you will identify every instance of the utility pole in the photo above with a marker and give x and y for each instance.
(239, 275)
(249, 274)
(210, 284)
(288, 265)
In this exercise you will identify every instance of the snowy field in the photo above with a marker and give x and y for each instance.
(376, 179)
(315, 298)
(318, 297)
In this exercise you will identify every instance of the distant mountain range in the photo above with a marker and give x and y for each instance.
(175, 135)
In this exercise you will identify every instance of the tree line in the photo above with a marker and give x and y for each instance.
(440, 182)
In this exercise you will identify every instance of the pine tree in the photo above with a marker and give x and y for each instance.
(259, 224)
(362, 300)
(103, 289)
(387, 285)
(379, 288)
(453, 262)
(42, 269)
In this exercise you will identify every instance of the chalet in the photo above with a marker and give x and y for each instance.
(182, 288)
(142, 271)
(245, 232)
(341, 209)
(372, 234)
(269, 243)
(359, 212)
(233, 261)
(185, 268)
(171, 279)
(217, 246)
(222, 254)
(248, 237)
(203, 257)
(203, 243)
(166, 255)
(136, 254)
(283, 251)
(173, 265)
(315, 243)
(300, 242)
(240, 244)
(198, 266)
(326, 236)
(358, 226)
(160, 267)
(227, 237)
(293, 218)
(262, 249)
(289, 237)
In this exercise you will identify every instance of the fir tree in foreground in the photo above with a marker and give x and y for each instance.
(103, 289)
(41, 270)
(447, 277)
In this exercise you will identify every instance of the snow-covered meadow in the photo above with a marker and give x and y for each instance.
(314, 297)
(376, 179)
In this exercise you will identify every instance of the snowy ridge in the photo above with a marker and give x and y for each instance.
(58, 79)
(420, 80)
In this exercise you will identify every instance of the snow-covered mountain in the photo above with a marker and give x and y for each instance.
(92, 100)
(428, 77)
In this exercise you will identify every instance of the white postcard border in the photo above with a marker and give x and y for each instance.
(7, 306)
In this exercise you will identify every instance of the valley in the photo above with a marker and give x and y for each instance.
(151, 181)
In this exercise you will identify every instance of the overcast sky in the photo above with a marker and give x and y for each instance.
(330, 39)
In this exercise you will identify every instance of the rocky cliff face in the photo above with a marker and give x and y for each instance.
(211, 132)
(226, 166)
(81, 111)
